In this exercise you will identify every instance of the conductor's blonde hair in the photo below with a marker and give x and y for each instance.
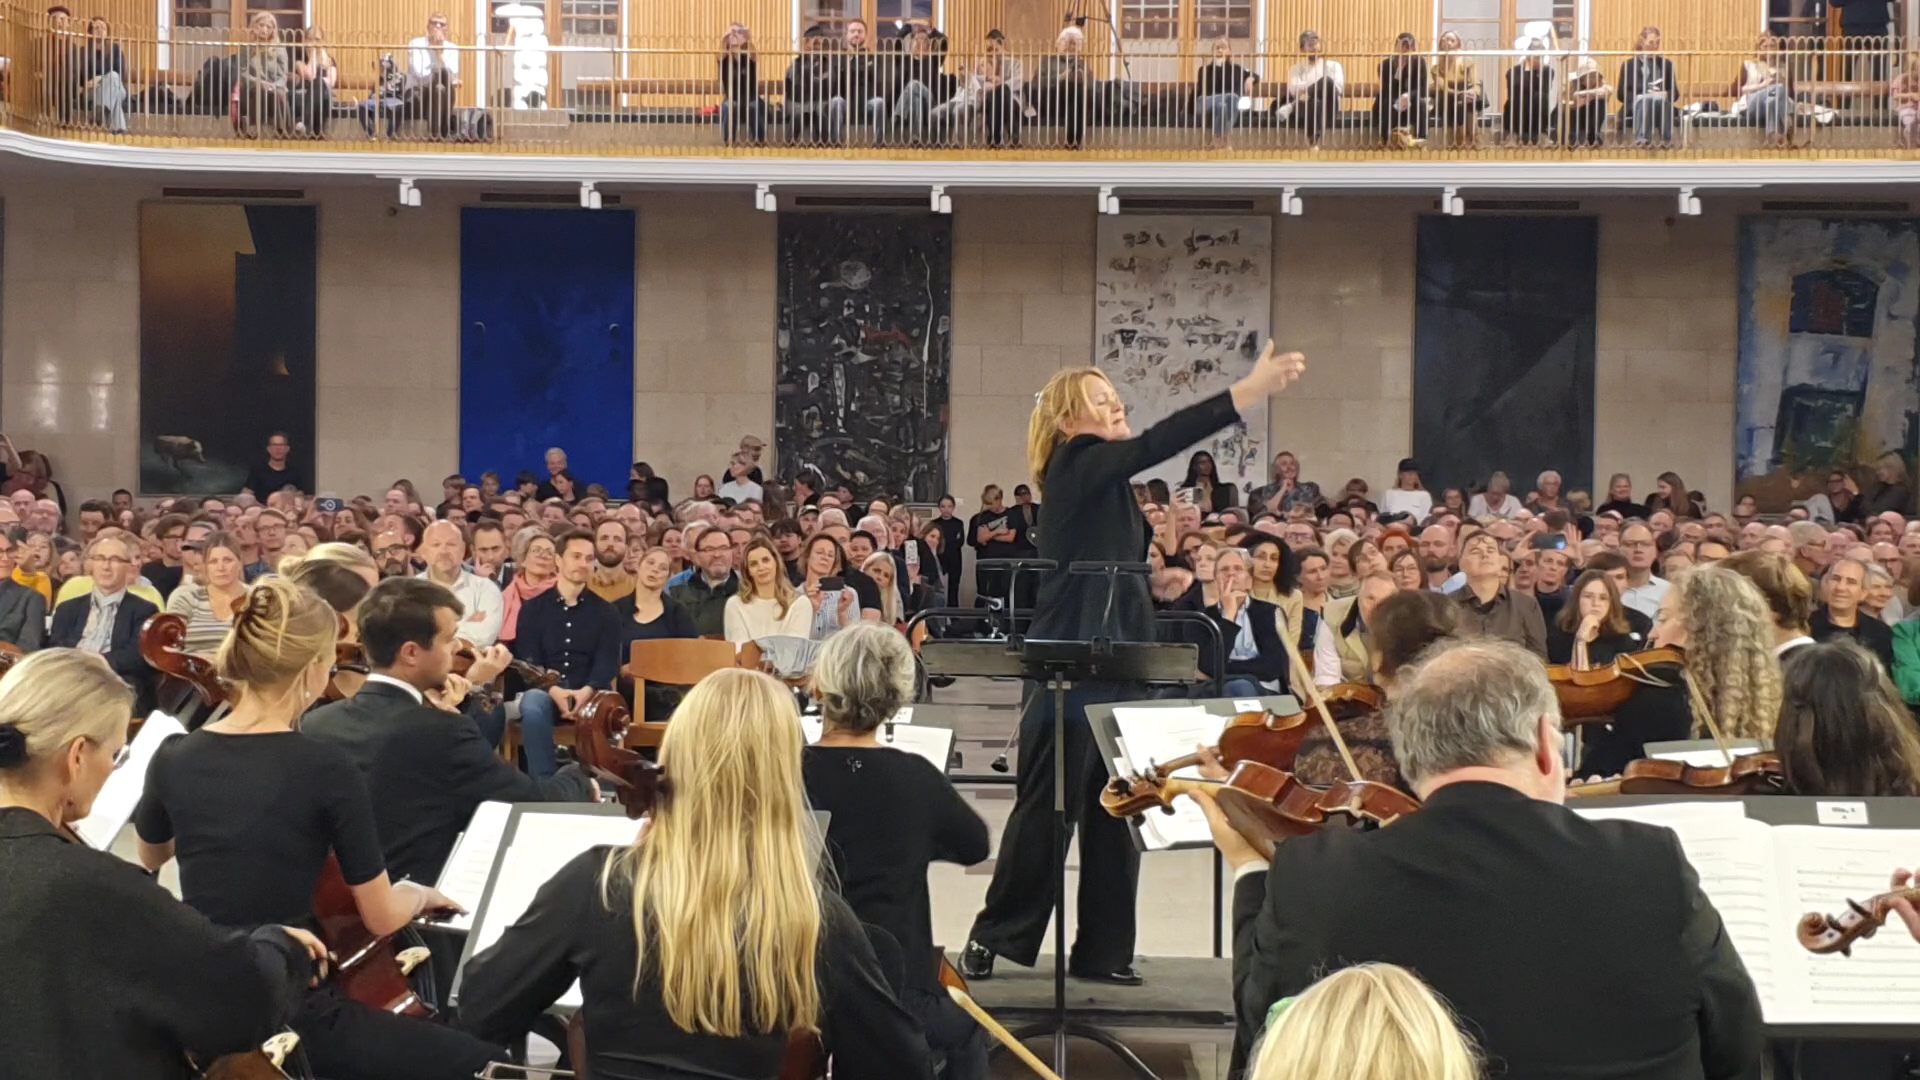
(1366, 1022)
(722, 884)
(1057, 404)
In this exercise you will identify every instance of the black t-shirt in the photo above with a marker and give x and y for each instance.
(996, 520)
(1218, 78)
(164, 578)
(893, 813)
(952, 535)
(1868, 632)
(1626, 508)
(252, 818)
(263, 479)
(864, 587)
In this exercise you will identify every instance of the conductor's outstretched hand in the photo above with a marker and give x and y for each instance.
(1271, 374)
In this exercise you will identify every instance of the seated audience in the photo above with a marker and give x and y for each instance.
(1592, 630)
(1315, 86)
(536, 569)
(741, 103)
(1490, 606)
(1256, 662)
(767, 604)
(1649, 93)
(443, 547)
(568, 630)
(23, 611)
(1457, 95)
(106, 620)
(208, 605)
(1400, 108)
(1343, 647)
(1218, 88)
(1841, 616)
(712, 583)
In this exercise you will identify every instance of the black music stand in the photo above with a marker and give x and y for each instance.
(1059, 665)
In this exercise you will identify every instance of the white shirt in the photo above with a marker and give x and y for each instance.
(751, 620)
(482, 608)
(420, 59)
(1509, 509)
(412, 690)
(740, 490)
(1326, 655)
(1302, 76)
(1396, 501)
(1781, 650)
(1646, 599)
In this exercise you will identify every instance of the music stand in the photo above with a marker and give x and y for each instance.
(1059, 665)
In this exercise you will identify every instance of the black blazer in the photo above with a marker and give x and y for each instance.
(123, 648)
(23, 615)
(426, 770)
(108, 975)
(1089, 500)
(1568, 947)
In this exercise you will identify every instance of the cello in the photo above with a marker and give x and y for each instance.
(160, 638)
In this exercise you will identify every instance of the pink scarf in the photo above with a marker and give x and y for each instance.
(515, 594)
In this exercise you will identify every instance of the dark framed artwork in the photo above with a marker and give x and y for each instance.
(228, 296)
(864, 351)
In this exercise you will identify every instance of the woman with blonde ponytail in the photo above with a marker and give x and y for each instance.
(1083, 456)
(253, 809)
(702, 946)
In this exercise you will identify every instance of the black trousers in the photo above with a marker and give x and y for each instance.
(345, 1040)
(950, 580)
(1003, 123)
(1020, 901)
(951, 1033)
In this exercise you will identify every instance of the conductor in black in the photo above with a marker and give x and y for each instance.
(1083, 457)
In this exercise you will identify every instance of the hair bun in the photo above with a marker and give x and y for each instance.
(13, 746)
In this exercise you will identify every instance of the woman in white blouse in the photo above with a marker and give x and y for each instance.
(767, 605)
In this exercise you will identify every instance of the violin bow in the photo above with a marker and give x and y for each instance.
(1699, 702)
(985, 1020)
(1305, 678)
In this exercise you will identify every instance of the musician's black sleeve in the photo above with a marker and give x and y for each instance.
(869, 1033)
(1101, 461)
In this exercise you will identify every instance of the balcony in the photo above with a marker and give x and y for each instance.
(1023, 115)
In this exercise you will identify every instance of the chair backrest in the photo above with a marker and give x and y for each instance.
(678, 661)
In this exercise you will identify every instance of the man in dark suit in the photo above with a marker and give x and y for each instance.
(426, 768)
(1567, 946)
(23, 611)
(107, 620)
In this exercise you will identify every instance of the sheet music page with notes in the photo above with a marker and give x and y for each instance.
(114, 806)
(1148, 736)
(464, 878)
(933, 743)
(1820, 869)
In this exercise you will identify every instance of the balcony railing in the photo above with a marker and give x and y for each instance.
(1852, 98)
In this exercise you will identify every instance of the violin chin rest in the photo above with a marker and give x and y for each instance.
(408, 959)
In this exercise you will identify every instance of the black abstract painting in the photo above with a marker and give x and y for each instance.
(1503, 349)
(864, 350)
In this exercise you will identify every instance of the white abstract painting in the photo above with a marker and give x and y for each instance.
(1183, 305)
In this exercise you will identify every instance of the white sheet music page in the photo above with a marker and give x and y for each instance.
(1820, 869)
(114, 806)
(464, 878)
(1149, 736)
(934, 744)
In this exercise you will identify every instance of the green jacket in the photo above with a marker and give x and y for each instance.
(1906, 660)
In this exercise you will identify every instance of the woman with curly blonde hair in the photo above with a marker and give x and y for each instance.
(1722, 621)
(1367, 1022)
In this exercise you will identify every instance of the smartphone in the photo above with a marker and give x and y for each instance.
(327, 504)
(832, 584)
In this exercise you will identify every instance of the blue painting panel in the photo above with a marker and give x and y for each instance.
(546, 341)
(1828, 310)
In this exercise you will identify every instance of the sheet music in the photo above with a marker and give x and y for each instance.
(1147, 736)
(933, 743)
(1820, 869)
(464, 878)
(114, 806)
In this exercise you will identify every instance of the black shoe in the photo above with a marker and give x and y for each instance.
(1126, 976)
(976, 962)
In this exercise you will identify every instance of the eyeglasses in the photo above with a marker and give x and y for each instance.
(111, 560)
(396, 549)
(708, 549)
(175, 536)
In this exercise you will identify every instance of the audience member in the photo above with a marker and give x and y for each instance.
(107, 620)
(23, 611)
(569, 630)
(1844, 587)
(1490, 606)
(1315, 87)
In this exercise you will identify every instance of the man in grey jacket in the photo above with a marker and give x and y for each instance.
(23, 611)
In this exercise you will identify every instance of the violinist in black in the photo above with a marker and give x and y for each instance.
(701, 946)
(106, 974)
(252, 808)
(1085, 456)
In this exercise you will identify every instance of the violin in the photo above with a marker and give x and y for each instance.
(1267, 805)
(350, 670)
(465, 655)
(1826, 934)
(1597, 693)
(1272, 739)
(1750, 774)
(160, 638)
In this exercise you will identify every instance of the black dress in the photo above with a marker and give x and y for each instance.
(1089, 496)
(108, 976)
(570, 934)
(252, 818)
(673, 622)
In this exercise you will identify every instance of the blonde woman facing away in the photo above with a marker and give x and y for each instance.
(711, 937)
(1367, 1022)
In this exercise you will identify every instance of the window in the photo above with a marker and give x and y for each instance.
(902, 9)
(1150, 20)
(209, 14)
(1216, 19)
(590, 18)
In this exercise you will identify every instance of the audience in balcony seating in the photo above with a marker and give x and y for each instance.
(865, 78)
(915, 83)
(1218, 88)
(264, 72)
(1903, 95)
(740, 100)
(1315, 86)
(1005, 102)
(388, 98)
(1062, 84)
(1764, 93)
(102, 74)
(315, 76)
(1587, 94)
(1529, 112)
(1457, 94)
(433, 74)
(1400, 108)
(814, 90)
(1649, 91)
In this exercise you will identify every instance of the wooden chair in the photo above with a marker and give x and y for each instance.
(676, 662)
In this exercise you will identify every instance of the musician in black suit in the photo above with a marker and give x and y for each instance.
(1085, 456)
(107, 621)
(1567, 946)
(426, 767)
